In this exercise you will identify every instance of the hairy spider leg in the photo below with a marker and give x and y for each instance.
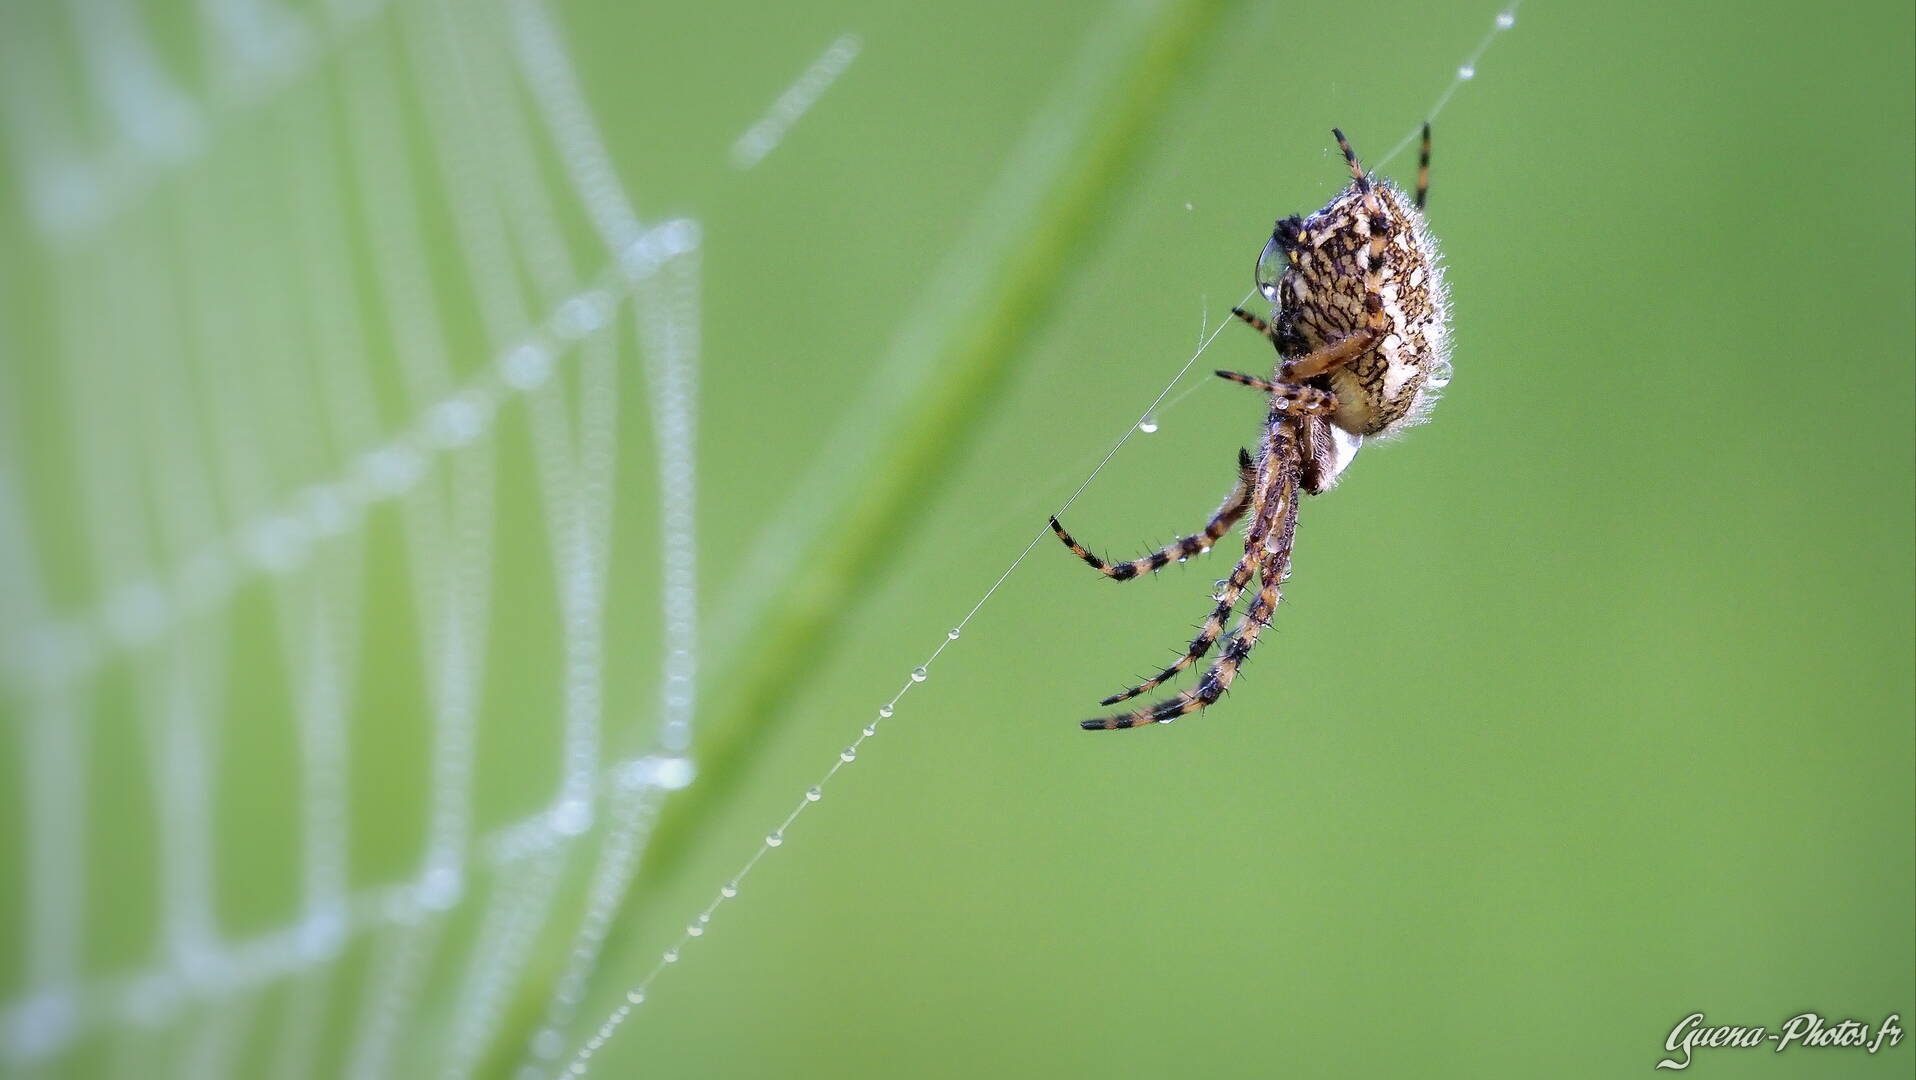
(1324, 358)
(1290, 397)
(1350, 156)
(1423, 167)
(1196, 544)
(1330, 357)
(1256, 323)
(1227, 597)
(1208, 633)
(1267, 549)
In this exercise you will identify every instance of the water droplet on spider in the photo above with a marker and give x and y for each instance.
(1271, 263)
(1148, 425)
(952, 634)
(1468, 71)
(1506, 20)
(847, 755)
(813, 795)
(1184, 558)
(870, 730)
(919, 674)
(729, 889)
(671, 956)
(1440, 373)
(885, 711)
(774, 839)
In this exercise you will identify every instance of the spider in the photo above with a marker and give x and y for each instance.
(1360, 322)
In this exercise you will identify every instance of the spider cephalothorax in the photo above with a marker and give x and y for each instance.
(1361, 327)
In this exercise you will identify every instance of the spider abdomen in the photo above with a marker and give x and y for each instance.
(1368, 242)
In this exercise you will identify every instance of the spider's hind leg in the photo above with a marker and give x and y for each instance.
(1208, 633)
(1267, 552)
(1223, 671)
(1195, 544)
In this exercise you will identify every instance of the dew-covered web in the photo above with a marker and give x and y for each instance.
(312, 305)
(244, 415)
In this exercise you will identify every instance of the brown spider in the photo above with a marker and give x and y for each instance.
(1361, 328)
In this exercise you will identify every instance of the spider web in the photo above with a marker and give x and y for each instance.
(247, 426)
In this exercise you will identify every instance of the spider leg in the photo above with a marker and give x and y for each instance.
(1337, 353)
(1223, 670)
(1329, 357)
(1423, 167)
(1350, 158)
(1290, 397)
(1195, 544)
(1208, 634)
(1256, 323)
(1268, 551)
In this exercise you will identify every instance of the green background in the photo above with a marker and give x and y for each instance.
(1589, 705)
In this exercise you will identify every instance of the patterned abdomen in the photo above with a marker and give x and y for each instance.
(1336, 262)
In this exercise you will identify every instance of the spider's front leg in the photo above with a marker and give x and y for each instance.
(1322, 359)
(1287, 396)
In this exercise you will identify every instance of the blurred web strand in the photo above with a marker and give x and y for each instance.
(159, 129)
(169, 590)
(764, 136)
(1147, 421)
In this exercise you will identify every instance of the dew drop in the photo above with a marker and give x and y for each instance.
(1468, 71)
(671, 956)
(526, 367)
(1148, 425)
(813, 795)
(729, 890)
(919, 674)
(870, 730)
(1440, 375)
(695, 930)
(885, 711)
(774, 839)
(1184, 558)
(1506, 20)
(635, 997)
(952, 634)
(847, 755)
